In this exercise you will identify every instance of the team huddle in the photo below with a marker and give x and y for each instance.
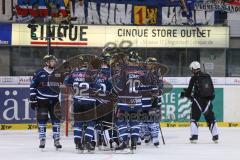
(116, 100)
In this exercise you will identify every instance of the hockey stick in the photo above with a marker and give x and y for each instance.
(204, 69)
(163, 140)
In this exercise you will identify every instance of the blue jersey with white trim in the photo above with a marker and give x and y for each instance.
(82, 82)
(41, 88)
(151, 89)
(103, 83)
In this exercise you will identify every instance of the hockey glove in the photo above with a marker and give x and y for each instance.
(154, 102)
(182, 95)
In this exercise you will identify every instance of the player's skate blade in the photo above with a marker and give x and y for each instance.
(215, 139)
(147, 139)
(90, 147)
(57, 144)
(133, 145)
(42, 144)
(139, 142)
(193, 139)
(155, 141)
(133, 149)
(156, 144)
(79, 148)
(104, 148)
(122, 148)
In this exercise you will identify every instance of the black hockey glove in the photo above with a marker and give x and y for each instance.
(33, 105)
(182, 95)
(185, 93)
(154, 102)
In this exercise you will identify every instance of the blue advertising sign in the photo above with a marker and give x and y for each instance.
(14, 106)
(5, 34)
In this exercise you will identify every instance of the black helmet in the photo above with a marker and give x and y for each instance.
(134, 57)
(82, 61)
(106, 57)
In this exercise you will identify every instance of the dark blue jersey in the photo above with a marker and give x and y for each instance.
(103, 81)
(41, 87)
(127, 85)
(83, 83)
(151, 88)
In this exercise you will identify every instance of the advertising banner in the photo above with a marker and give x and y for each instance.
(9, 80)
(5, 34)
(123, 36)
(14, 105)
(176, 109)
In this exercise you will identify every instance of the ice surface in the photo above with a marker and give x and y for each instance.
(23, 145)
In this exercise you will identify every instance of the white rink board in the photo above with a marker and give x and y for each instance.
(231, 108)
(23, 145)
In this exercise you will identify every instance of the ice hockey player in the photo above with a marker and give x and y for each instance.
(81, 81)
(129, 102)
(203, 93)
(151, 101)
(107, 134)
(44, 100)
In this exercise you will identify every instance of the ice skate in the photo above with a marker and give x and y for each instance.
(122, 148)
(139, 142)
(42, 143)
(79, 147)
(90, 147)
(193, 139)
(57, 144)
(147, 139)
(133, 145)
(215, 139)
(155, 142)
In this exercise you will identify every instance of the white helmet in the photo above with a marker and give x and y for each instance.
(195, 65)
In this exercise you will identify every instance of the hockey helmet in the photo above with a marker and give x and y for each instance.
(194, 65)
(82, 62)
(134, 57)
(151, 59)
(49, 57)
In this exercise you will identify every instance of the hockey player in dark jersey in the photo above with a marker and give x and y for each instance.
(151, 100)
(203, 94)
(129, 102)
(81, 80)
(44, 99)
(105, 125)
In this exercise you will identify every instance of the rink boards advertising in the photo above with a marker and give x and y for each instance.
(5, 34)
(16, 113)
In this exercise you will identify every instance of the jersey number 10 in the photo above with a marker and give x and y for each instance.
(133, 85)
